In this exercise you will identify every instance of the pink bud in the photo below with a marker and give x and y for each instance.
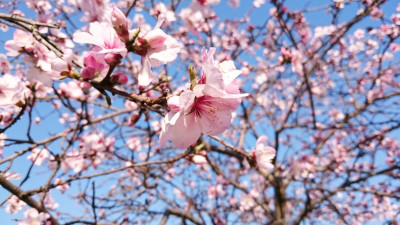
(85, 85)
(112, 59)
(120, 23)
(88, 73)
(119, 78)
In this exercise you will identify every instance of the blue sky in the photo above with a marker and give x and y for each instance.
(315, 18)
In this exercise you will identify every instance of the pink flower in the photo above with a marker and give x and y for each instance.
(207, 108)
(234, 3)
(74, 160)
(71, 89)
(12, 90)
(161, 10)
(44, 66)
(215, 191)
(120, 24)
(258, 3)
(102, 35)
(94, 10)
(14, 205)
(5, 65)
(33, 217)
(61, 185)
(38, 156)
(134, 144)
(208, 2)
(119, 78)
(95, 66)
(156, 48)
(22, 42)
(264, 154)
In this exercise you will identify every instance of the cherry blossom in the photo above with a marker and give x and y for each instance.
(120, 24)
(12, 90)
(264, 154)
(102, 35)
(156, 48)
(43, 65)
(5, 65)
(61, 185)
(160, 10)
(119, 78)
(38, 156)
(205, 109)
(116, 122)
(33, 217)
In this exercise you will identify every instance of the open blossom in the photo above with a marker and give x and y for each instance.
(197, 13)
(61, 185)
(161, 10)
(44, 66)
(38, 156)
(12, 90)
(207, 108)
(71, 89)
(5, 65)
(258, 3)
(103, 36)
(264, 154)
(74, 160)
(93, 10)
(33, 217)
(22, 42)
(14, 205)
(156, 48)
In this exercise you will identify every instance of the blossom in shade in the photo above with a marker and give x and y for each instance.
(207, 108)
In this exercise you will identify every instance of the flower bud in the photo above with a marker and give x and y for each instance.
(112, 59)
(85, 85)
(88, 73)
(119, 78)
(120, 24)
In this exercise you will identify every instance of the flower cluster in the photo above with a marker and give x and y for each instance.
(206, 107)
(113, 41)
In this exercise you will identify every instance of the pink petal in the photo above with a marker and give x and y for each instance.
(213, 116)
(144, 78)
(184, 133)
